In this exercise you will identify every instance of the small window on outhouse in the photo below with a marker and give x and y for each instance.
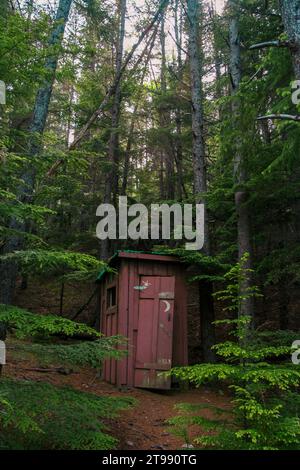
(111, 299)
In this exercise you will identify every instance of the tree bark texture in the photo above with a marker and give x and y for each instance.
(240, 178)
(290, 10)
(8, 270)
(199, 166)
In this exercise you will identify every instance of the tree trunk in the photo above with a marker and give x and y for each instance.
(216, 55)
(179, 156)
(8, 270)
(164, 119)
(148, 52)
(127, 153)
(113, 184)
(241, 196)
(283, 298)
(178, 114)
(112, 180)
(290, 10)
(199, 165)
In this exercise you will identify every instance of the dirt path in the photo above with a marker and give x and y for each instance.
(145, 426)
(141, 427)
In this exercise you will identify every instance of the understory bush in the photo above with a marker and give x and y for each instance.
(37, 415)
(26, 324)
(263, 384)
(81, 353)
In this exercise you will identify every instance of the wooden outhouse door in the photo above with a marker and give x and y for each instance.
(155, 331)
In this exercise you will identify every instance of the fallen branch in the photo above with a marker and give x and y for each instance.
(58, 370)
(282, 117)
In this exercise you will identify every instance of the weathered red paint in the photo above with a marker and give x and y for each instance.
(155, 332)
(151, 312)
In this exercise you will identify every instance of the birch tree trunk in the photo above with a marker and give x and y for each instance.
(240, 177)
(290, 10)
(8, 270)
(199, 167)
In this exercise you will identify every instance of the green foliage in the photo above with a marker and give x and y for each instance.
(87, 353)
(40, 416)
(232, 293)
(212, 268)
(281, 264)
(259, 417)
(57, 223)
(36, 415)
(27, 324)
(67, 264)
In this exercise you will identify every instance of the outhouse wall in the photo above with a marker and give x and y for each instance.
(123, 317)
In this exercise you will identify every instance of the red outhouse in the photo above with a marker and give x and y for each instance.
(145, 301)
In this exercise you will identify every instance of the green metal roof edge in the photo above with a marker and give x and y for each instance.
(116, 254)
(105, 270)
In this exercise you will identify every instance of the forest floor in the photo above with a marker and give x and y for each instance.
(142, 427)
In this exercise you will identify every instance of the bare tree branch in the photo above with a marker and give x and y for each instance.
(99, 112)
(118, 77)
(275, 43)
(255, 75)
(281, 117)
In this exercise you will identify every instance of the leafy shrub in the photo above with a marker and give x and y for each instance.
(57, 418)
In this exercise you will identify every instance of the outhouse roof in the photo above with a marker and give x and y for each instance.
(151, 256)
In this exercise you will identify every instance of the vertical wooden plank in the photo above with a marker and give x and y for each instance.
(166, 322)
(155, 332)
(113, 366)
(122, 320)
(103, 325)
(155, 320)
(108, 361)
(133, 296)
(180, 349)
